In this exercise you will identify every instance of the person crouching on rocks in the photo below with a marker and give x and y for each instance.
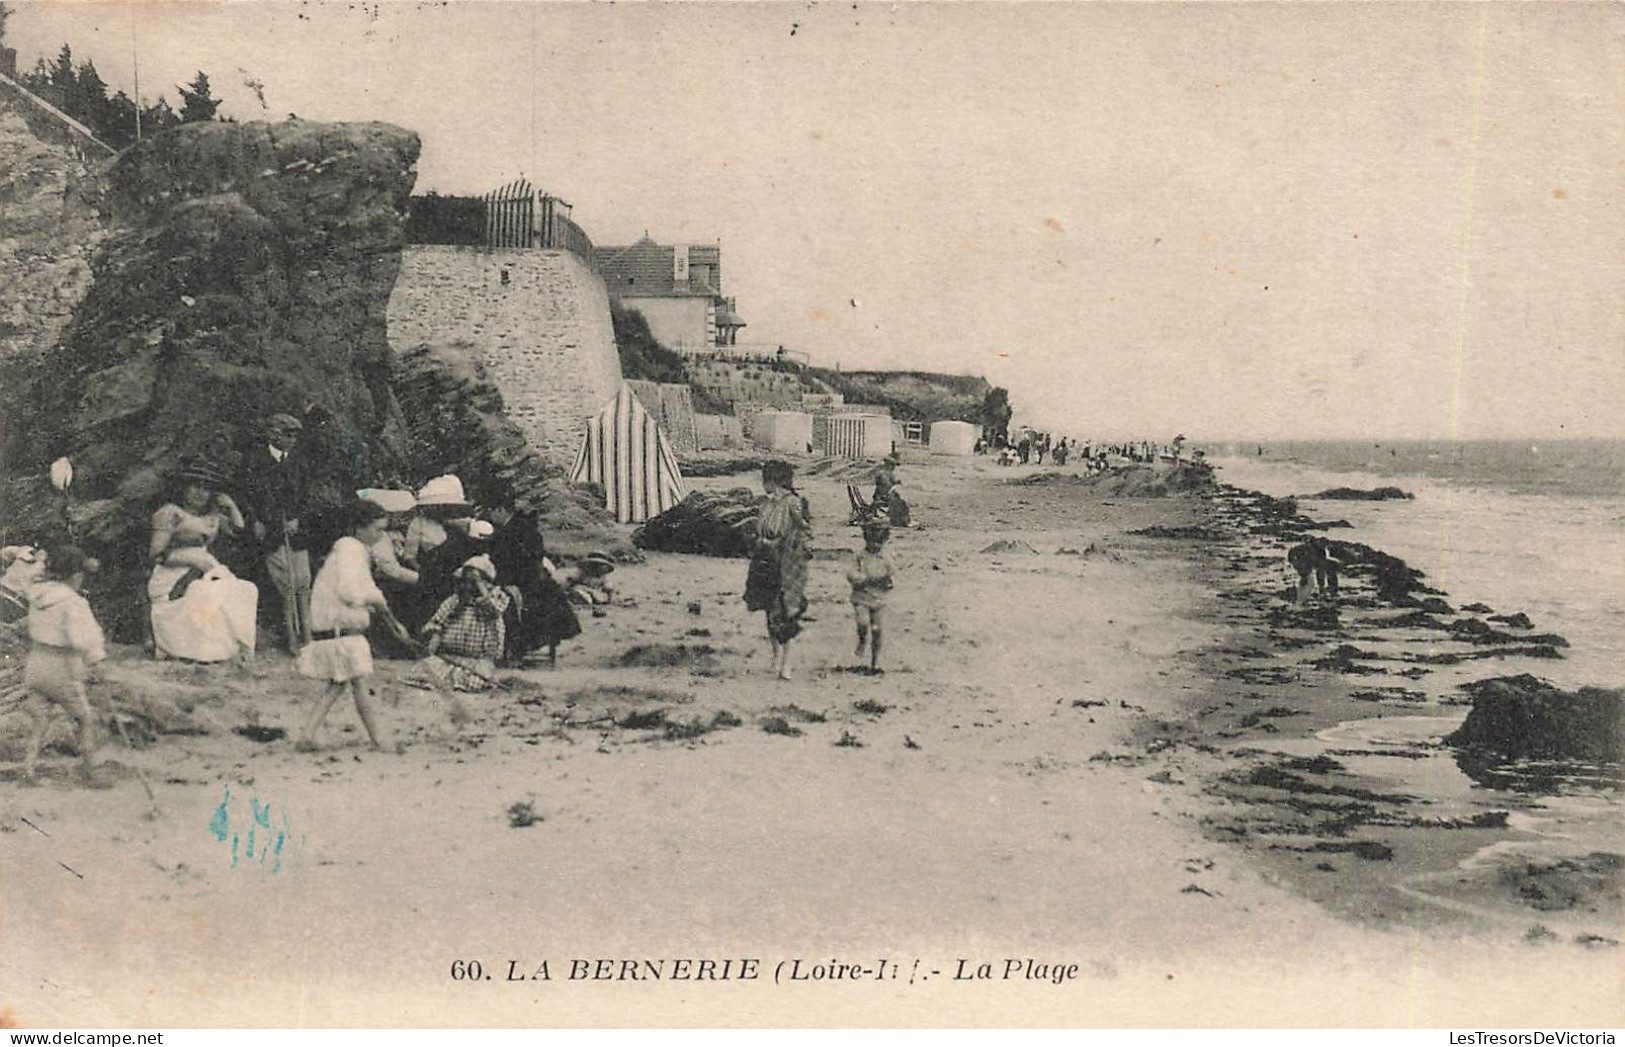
(1315, 564)
(342, 603)
(871, 579)
(777, 580)
(65, 640)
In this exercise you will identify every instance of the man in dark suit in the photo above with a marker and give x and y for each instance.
(274, 492)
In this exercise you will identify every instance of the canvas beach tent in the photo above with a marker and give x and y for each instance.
(624, 450)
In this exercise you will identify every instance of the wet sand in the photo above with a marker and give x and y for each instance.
(1055, 766)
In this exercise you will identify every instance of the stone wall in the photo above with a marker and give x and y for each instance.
(536, 320)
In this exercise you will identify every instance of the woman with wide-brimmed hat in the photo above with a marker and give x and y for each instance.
(440, 538)
(201, 611)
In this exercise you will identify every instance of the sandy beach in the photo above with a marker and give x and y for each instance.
(1092, 749)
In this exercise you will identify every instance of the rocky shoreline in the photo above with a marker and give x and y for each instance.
(1300, 692)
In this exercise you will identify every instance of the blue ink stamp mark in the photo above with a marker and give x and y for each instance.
(255, 838)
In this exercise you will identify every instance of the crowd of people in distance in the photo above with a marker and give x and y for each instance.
(1028, 446)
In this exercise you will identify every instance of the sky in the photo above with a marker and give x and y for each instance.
(1233, 221)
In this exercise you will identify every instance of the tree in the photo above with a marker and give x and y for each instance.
(5, 13)
(119, 129)
(996, 410)
(62, 70)
(87, 102)
(158, 117)
(197, 106)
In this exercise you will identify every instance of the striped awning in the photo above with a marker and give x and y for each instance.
(624, 450)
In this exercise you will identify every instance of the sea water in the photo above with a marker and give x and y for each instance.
(1537, 528)
(1531, 527)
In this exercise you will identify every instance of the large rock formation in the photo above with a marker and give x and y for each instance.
(247, 271)
(457, 422)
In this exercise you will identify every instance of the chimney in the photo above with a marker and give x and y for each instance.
(8, 61)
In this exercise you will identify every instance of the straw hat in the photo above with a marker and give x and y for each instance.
(597, 563)
(443, 491)
(391, 501)
(481, 564)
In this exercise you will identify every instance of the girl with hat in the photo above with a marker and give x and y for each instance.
(201, 611)
(587, 580)
(438, 541)
(467, 632)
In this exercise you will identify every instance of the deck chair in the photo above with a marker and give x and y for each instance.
(862, 509)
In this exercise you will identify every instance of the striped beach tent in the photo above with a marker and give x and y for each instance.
(624, 450)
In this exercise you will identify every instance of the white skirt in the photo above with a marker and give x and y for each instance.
(339, 660)
(210, 623)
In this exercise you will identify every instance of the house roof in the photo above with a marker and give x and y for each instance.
(645, 269)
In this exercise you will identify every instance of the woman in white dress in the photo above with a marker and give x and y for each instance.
(200, 610)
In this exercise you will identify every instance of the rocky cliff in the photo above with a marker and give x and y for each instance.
(50, 227)
(246, 271)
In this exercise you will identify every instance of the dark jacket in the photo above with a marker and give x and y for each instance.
(274, 492)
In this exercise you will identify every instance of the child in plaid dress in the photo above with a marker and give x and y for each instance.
(467, 633)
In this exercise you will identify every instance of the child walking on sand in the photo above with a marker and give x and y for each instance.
(65, 640)
(342, 603)
(871, 579)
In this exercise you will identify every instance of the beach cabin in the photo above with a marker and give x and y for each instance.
(786, 432)
(955, 438)
(858, 435)
(625, 453)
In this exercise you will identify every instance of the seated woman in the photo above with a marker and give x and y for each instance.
(200, 610)
(542, 615)
(437, 543)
